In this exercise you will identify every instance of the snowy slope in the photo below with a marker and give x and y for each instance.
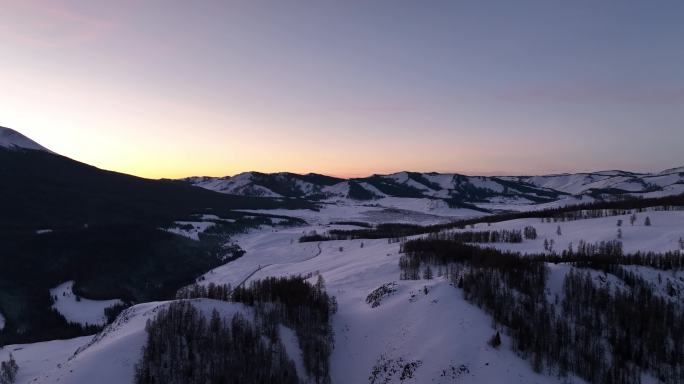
(79, 310)
(107, 358)
(662, 235)
(37, 359)
(439, 331)
(10, 138)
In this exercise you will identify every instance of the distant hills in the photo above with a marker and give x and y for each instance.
(454, 189)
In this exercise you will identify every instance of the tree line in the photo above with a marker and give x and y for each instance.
(184, 347)
(291, 301)
(601, 333)
(571, 212)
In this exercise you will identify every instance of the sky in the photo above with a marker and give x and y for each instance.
(166, 88)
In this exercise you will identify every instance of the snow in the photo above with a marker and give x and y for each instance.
(444, 180)
(192, 233)
(372, 189)
(402, 327)
(672, 170)
(37, 359)
(383, 210)
(583, 182)
(663, 235)
(339, 189)
(10, 138)
(579, 185)
(661, 279)
(439, 330)
(486, 183)
(107, 358)
(663, 180)
(403, 178)
(83, 311)
(43, 231)
(291, 344)
(241, 184)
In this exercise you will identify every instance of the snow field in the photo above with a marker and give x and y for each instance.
(82, 311)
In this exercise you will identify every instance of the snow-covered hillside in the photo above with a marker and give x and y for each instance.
(452, 190)
(79, 310)
(437, 330)
(423, 323)
(10, 138)
(666, 228)
(107, 358)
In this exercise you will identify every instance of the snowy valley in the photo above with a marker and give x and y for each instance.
(420, 331)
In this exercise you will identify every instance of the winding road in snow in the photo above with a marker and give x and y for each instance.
(260, 267)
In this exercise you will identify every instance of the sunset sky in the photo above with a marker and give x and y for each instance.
(348, 88)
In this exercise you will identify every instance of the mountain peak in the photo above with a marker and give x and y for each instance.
(10, 138)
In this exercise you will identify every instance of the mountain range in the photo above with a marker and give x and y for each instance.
(456, 190)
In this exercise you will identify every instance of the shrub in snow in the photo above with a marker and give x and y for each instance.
(375, 298)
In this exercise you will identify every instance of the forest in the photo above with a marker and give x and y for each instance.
(291, 301)
(601, 333)
(184, 347)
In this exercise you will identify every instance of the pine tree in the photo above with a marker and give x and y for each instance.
(495, 341)
(427, 274)
(647, 222)
(8, 371)
(619, 233)
(558, 231)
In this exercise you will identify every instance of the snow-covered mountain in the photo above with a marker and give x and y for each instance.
(667, 182)
(454, 189)
(10, 138)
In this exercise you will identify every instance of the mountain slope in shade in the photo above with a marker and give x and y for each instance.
(10, 138)
(115, 235)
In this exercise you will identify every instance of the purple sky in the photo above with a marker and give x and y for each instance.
(177, 88)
